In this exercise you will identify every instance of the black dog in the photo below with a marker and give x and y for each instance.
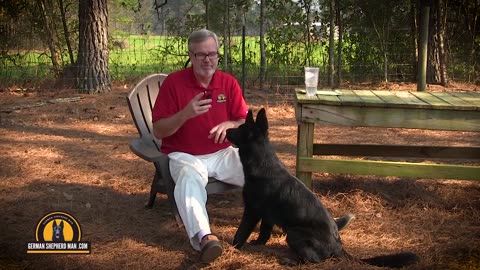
(57, 234)
(274, 196)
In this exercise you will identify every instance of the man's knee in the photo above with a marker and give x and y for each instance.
(185, 166)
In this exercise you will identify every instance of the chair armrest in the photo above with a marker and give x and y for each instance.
(146, 150)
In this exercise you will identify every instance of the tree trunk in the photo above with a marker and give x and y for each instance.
(207, 14)
(66, 32)
(263, 67)
(225, 36)
(331, 43)
(340, 43)
(441, 24)
(308, 36)
(92, 63)
(423, 45)
(472, 25)
(383, 37)
(433, 63)
(385, 49)
(414, 40)
(47, 19)
(385, 65)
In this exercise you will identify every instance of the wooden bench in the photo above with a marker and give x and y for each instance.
(140, 102)
(386, 109)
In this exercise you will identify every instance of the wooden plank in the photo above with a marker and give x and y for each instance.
(370, 98)
(389, 168)
(389, 97)
(298, 111)
(328, 99)
(456, 102)
(472, 98)
(399, 99)
(391, 117)
(411, 100)
(376, 150)
(329, 115)
(432, 100)
(303, 98)
(305, 149)
(348, 97)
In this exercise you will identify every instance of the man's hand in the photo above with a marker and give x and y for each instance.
(219, 132)
(197, 106)
(168, 126)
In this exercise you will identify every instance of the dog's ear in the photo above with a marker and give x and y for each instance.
(61, 224)
(249, 120)
(262, 122)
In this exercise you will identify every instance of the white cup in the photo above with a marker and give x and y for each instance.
(311, 80)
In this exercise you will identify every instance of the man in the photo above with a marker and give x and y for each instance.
(193, 110)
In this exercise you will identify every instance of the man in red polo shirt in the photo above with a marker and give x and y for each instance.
(193, 110)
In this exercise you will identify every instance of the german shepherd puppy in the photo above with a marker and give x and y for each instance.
(276, 197)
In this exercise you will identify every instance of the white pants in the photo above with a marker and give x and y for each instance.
(190, 174)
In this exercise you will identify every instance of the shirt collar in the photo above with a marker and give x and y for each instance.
(215, 83)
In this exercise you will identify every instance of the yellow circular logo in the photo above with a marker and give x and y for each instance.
(58, 227)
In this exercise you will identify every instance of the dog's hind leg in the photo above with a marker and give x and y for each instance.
(265, 232)
(248, 223)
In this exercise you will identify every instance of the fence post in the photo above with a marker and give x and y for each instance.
(423, 49)
(243, 57)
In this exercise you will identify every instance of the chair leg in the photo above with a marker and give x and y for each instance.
(154, 189)
(170, 187)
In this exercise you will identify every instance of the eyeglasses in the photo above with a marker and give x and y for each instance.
(202, 56)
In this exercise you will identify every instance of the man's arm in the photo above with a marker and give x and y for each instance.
(167, 126)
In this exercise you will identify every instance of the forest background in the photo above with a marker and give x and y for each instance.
(352, 41)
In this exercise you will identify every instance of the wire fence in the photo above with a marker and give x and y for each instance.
(134, 55)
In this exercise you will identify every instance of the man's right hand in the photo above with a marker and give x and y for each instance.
(168, 126)
(197, 106)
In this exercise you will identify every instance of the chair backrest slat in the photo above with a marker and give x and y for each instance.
(141, 101)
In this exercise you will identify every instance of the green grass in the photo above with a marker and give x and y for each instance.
(140, 55)
(132, 56)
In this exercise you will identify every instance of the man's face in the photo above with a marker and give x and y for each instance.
(204, 66)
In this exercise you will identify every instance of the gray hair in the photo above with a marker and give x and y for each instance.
(201, 35)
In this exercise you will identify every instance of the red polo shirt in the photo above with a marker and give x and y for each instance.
(177, 90)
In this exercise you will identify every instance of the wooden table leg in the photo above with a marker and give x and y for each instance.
(304, 149)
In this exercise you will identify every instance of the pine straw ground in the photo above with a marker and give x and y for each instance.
(74, 157)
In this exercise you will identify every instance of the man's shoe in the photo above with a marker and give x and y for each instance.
(343, 222)
(211, 248)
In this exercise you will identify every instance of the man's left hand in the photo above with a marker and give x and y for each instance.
(219, 132)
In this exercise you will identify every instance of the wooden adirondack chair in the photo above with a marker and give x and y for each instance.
(140, 101)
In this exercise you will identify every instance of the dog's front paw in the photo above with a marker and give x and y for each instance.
(237, 245)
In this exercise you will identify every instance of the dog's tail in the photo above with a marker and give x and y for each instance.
(397, 260)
